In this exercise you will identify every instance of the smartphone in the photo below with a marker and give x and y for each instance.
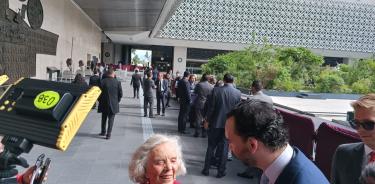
(43, 172)
(40, 170)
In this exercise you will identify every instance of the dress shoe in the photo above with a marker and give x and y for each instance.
(151, 117)
(196, 135)
(163, 114)
(108, 137)
(205, 172)
(145, 115)
(221, 174)
(102, 134)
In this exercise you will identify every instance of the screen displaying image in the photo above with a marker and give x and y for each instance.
(141, 57)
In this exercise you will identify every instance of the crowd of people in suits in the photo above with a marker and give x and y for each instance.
(250, 129)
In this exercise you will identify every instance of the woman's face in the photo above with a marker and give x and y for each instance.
(162, 164)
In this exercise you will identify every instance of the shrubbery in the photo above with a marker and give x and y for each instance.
(293, 69)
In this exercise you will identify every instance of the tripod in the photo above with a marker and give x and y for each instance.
(10, 157)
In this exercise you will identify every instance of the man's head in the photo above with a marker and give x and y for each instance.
(254, 130)
(204, 77)
(149, 74)
(186, 74)
(136, 70)
(110, 73)
(228, 78)
(256, 86)
(364, 119)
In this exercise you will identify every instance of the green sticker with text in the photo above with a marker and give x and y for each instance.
(46, 99)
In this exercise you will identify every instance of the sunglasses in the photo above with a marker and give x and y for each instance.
(366, 124)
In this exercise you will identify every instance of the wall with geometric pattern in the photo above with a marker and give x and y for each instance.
(322, 24)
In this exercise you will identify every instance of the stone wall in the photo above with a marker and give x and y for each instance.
(78, 38)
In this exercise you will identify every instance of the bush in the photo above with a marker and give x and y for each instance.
(329, 82)
(362, 86)
(292, 69)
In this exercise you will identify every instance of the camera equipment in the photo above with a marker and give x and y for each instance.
(3, 79)
(40, 112)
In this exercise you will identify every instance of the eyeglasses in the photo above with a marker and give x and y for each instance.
(366, 124)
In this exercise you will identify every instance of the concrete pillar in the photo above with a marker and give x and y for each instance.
(118, 53)
(179, 59)
(349, 61)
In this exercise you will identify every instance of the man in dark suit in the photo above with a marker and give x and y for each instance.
(109, 101)
(136, 82)
(95, 81)
(202, 90)
(223, 99)
(148, 85)
(185, 99)
(257, 137)
(349, 159)
(161, 93)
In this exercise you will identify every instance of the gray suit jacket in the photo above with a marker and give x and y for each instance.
(202, 90)
(223, 99)
(148, 84)
(347, 163)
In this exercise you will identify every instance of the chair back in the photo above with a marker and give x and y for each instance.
(328, 138)
(301, 131)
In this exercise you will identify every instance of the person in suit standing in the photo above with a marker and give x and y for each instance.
(169, 92)
(257, 137)
(161, 93)
(136, 82)
(148, 85)
(223, 99)
(185, 99)
(109, 101)
(350, 159)
(94, 81)
(256, 91)
(202, 90)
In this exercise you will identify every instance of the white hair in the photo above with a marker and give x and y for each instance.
(138, 163)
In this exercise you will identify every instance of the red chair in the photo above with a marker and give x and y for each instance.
(301, 131)
(328, 138)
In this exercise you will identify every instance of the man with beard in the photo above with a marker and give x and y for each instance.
(257, 137)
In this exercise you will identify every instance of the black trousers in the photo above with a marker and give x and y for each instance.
(148, 102)
(136, 91)
(111, 118)
(183, 116)
(216, 139)
(160, 99)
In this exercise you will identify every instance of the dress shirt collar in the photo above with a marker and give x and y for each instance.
(258, 93)
(366, 156)
(274, 170)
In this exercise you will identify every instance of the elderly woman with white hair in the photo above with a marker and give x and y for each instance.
(157, 161)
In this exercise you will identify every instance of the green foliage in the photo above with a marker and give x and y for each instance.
(292, 69)
(362, 86)
(329, 81)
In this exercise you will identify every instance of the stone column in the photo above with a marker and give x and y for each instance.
(179, 59)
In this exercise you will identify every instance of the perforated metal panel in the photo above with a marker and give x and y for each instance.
(324, 24)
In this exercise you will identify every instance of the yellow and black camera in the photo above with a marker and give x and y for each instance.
(47, 113)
